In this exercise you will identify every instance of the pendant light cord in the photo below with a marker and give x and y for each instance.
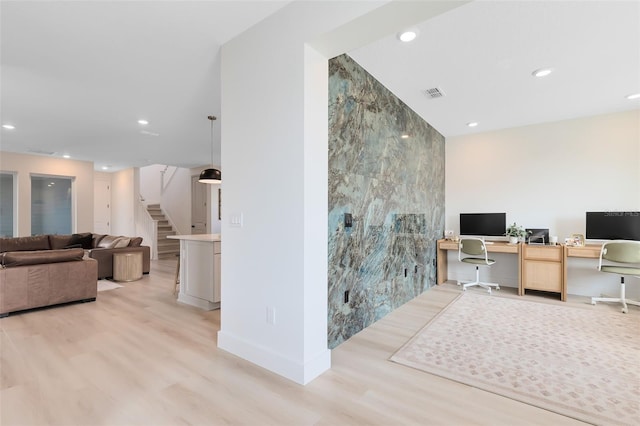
(212, 118)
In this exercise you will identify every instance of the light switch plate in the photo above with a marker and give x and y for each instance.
(235, 220)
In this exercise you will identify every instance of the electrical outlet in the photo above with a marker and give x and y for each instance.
(271, 315)
(348, 220)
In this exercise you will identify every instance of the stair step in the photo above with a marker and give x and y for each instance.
(153, 206)
(168, 244)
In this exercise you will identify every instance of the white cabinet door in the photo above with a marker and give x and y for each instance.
(199, 270)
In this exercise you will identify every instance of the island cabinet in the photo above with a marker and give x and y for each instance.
(200, 270)
(542, 269)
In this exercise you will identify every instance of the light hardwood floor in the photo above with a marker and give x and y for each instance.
(137, 357)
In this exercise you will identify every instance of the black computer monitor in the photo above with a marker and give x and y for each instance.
(613, 226)
(485, 224)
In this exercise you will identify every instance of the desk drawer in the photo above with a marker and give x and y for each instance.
(448, 245)
(546, 276)
(591, 252)
(549, 253)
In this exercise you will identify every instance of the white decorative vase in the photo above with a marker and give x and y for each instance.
(513, 240)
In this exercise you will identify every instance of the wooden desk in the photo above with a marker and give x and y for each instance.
(444, 245)
(539, 267)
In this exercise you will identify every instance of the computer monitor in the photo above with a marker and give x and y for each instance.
(483, 224)
(613, 226)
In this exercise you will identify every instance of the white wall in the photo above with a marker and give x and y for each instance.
(24, 165)
(176, 198)
(150, 183)
(547, 176)
(274, 152)
(123, 199)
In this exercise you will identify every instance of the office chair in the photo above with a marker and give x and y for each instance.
(476, 252)
(620, 252)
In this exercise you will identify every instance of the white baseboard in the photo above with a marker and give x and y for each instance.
(297, 371)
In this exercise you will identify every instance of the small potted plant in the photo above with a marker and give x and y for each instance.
(515, 232)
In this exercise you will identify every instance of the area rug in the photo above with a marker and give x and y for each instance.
(579, 362)
(104, 285)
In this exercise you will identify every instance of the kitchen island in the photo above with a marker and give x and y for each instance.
(199, 270)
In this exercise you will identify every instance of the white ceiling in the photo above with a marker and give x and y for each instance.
(76, 76)
(482, 56)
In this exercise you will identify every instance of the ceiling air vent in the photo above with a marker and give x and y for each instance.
(40, 151)
(433, 93)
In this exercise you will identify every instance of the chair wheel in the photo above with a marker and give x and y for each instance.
(489, 291)
(625, 310)
(498, 288)
(464, 289)
(593, 302)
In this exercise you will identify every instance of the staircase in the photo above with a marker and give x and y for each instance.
(167, 249)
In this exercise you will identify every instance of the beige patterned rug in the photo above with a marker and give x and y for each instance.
(580, 362)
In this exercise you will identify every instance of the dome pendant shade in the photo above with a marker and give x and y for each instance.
(210, 176)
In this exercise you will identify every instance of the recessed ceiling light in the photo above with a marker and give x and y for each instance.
(8, 126)
(66, 156)
(143, 122)
(405, 136)
(105, 168)
(407, 36)
(472, 124)
(633, 96)
(542, 72)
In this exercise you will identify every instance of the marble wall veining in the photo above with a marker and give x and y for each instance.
(393, 187)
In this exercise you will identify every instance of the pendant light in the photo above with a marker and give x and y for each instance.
(212, 175)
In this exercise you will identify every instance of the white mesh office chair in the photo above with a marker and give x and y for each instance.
(620, 253)
(476, 252)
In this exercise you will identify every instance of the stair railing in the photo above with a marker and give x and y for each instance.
(147, 228)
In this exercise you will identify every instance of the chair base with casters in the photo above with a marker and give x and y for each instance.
(622, 299)
(623, 258)
(475, 247)
(477, 282)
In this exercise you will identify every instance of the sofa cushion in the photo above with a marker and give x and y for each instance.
(20, 258)
(57, 242)
(38, 242)
(85, 240)
(135, 242)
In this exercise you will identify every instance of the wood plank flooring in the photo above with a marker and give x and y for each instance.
(138, 357)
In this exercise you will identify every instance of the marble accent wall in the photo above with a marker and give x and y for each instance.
(393, 187)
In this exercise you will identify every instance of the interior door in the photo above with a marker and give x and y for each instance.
(101, 207)
(198, 206)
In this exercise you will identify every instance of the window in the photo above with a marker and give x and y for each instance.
(51, 205)
(7, 204)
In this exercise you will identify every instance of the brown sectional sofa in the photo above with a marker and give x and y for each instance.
(48, 270)
(32, 276)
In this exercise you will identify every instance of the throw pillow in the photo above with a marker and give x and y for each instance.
(135, 242)
(85, 240)
(108, 241)
(121, 242)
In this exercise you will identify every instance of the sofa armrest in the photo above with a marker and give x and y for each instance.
(21, 258)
